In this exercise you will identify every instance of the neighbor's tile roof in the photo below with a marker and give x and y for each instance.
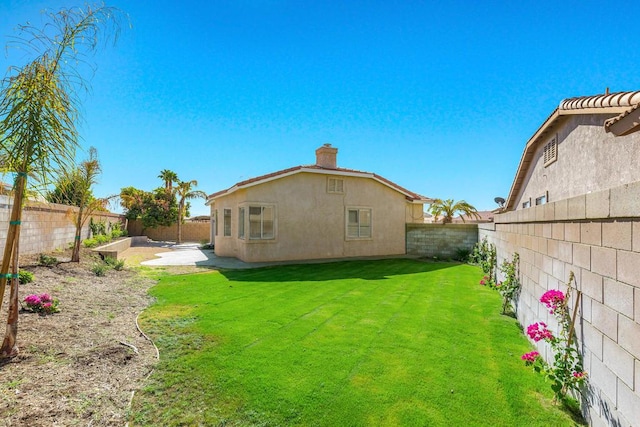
(626, 123)
(608, 103)
(410, 195)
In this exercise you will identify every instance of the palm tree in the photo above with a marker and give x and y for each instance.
(447, 209)
(185, 192)
(38, 111)
(78, 182)
(169, 177)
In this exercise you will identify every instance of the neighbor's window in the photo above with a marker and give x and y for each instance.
(359, 223)
(261, 222)
(526, 204)
(541, 200)
(551, 151)
(241, 223)
(227, 222)
(335, 185)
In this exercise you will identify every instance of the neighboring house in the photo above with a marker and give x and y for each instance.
(575, 153)
(318, 211)
(574, 211)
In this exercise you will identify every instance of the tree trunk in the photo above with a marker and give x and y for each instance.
(12, 234)
(75, 255)
(9, 344)
(9, 347)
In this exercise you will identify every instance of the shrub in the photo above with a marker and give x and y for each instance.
(566, 372)
(25, 277)
(462, 254)
(47, 260)
(510, 287)
(102, 239)
(43, 304)
(114, 263)
(90, 243)
(97, 228)
(99, 269)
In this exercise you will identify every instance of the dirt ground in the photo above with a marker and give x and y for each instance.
(82, 365)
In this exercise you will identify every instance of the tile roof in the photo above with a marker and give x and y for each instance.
(608, 103)
(626, 123)
(410, 195)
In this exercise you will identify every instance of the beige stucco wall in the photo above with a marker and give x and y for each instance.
(310, 222)
(589, 160)
(192, 231)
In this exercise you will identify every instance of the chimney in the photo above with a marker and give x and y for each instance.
(326, 156)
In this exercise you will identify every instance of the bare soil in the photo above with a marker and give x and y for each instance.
(82, 365)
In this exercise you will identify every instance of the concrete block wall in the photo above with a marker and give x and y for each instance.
(440, 240)
(197, 231)
(597, 237)
(46, 227)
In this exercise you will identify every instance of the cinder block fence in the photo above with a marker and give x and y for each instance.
(597, 237)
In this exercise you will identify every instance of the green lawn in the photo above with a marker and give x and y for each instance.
(361, 343)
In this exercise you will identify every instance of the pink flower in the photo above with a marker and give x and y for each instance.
(45, 298)
(482, 282)
(553, 299)
(530, 357)
(579, 375)
(539, 331)
(32, 300)
(498, 284)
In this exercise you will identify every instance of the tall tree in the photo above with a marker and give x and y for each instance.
(447, 209)
(169, 177)
(38, 112)
(185, 191)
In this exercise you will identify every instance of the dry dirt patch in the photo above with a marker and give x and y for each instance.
(81, 365)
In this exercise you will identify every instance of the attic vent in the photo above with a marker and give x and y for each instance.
(551, 151)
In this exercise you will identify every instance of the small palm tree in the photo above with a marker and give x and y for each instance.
(185, 192)
(38, 111)
(447, 209)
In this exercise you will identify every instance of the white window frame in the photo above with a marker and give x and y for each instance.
(335, 185)
(263, 220)
(356, 230)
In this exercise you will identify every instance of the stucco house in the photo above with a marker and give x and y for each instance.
(576, 151)
(574, 211)
(319, 211)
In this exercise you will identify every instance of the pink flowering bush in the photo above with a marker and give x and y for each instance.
(565, 373)
(43, 304)
(553, 300)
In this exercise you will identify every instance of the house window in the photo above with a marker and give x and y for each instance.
(359, 223)
(227, 222)
(551, 151)
(542, 199)
(526, 204)
(261, 222)
(335, 185)
(241, 223)
(215, 221)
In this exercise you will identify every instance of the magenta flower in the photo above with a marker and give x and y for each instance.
(32, 300)
(482, 282)
(579, 375)
(45, 298)
(530, 357)
(539, 331)
(553, 299)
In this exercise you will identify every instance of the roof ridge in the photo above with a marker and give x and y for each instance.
(616, 99)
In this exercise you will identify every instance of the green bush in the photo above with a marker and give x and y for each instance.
(47, 260)
(102, 239)
(462, 254)
(99, 269)
(116, 264)
(90, 243)
(25, 277)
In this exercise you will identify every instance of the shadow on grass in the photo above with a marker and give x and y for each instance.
(359, 269)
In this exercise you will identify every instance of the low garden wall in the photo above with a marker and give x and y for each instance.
(196, 231)
(46, 227)
(597, 237)
(113, 249)
(440, 240)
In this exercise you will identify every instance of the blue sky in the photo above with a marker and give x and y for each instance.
(439, 97)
